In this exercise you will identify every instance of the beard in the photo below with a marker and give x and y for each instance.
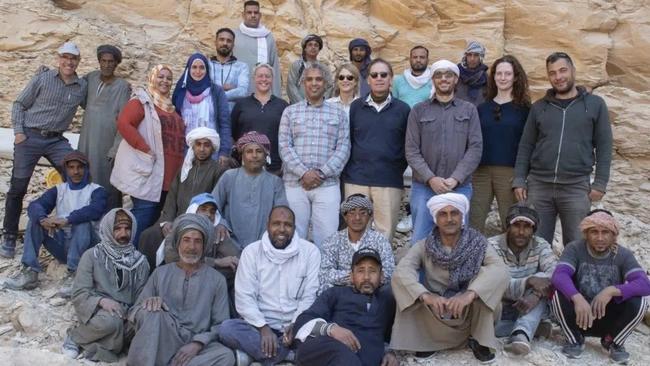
(418, 68)
(567, 88)
(224, 51)
(190, 258)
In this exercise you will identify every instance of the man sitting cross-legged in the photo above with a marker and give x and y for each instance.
(348, 325)
(600, 289)
(276, 280)
(177, 314)
(108, 280)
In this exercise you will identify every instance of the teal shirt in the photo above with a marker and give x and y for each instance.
(403, 91)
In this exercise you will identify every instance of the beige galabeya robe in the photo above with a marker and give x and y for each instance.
(416, 328)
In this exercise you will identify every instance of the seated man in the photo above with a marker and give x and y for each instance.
(339, 248)
(459, 296)
(222, 256)
(177, 314)
(109, 279)
(276, 280)
(246, 195)
(331, 330)
(531, 262)
(600, 289)
(69, 231)
(198, 174)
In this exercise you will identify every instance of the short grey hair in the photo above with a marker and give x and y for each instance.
(320, 67)
(263, 65)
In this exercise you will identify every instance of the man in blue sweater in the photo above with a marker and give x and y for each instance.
(377, 160)
(348, 325)
(68, 232)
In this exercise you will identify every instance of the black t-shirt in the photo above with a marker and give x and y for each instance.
(564, 103)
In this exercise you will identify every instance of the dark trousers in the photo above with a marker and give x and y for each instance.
(325, 351)
(26, 156)
(619, 321)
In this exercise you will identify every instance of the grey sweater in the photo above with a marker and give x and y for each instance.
(560, 145)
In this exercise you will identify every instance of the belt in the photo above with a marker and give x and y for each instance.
(45, 133)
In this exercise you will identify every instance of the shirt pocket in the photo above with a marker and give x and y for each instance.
(461, 124)
(428, 126)
(72, 97)
(331, 128)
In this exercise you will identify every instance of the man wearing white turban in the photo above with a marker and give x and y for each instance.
(448, 287)
(198, 174)
(443, 146)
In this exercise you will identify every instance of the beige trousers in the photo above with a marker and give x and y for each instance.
(386, 202)
(489, 182)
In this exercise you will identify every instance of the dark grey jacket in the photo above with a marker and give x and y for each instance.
(561, 145)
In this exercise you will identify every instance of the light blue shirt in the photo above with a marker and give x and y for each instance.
(232, 72)
(403, 91)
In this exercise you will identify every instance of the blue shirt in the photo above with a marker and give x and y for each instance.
(501, 126)
(232, 72)
(403, 91)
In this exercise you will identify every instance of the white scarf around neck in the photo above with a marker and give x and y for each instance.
(416, 82)
(260, 34)
(279, 256)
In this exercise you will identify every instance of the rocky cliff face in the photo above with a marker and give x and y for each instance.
(608, 39)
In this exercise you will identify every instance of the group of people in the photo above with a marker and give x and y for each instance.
(233, 240)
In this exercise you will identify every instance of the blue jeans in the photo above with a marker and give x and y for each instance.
(66, 246)
(422, 219)
(238, 334)
(512, 321)
(146, 214)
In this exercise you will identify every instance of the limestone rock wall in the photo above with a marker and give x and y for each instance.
(608, 39)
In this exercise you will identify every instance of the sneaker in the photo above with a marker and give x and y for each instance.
(405, 224)
(66, 288)
(8, 247)
(425, 356)
(544, 329)
(242, 358)
(26, 279)
(618, 354)
(518, 344)
(70, 348)
(482, 353)
(573, 350)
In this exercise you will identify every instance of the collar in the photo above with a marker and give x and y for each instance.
(382, 105)
(232, 59)
(453, 100)
(75, 79)
(315, 106)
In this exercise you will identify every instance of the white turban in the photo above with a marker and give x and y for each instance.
(440, 201)
(197, 134)
(445, 65)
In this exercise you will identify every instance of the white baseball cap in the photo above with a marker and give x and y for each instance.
(69, 47)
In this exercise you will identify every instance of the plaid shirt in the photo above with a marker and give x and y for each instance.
(313, 137)
(536, 260)
(48, 103)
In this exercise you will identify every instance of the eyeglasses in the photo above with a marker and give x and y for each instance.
(383, 75)
(446, 75)
(497, 112)
(343, 77)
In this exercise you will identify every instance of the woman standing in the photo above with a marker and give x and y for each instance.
(152, 150)
(202, 103)
(346, 86)
(503, 117)
(261, 112)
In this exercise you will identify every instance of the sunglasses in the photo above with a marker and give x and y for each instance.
(383, 75)
(349, 77)
(446, 75)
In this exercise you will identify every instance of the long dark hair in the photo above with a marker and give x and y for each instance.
(520, 92)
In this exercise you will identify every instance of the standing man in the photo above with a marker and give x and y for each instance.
(443, 146)
(276, 280)
(414, 86)
(473, 74)
(312, 44)
(531, 261)
(377, 162)
(566, 133)
(360, 52)
(177, 314)
(256, 45)
(40, 115)
(226, 71)
(314, 144)
(99, 139)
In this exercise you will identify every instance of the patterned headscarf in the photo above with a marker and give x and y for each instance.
(119, 257)
(602, 219)
(356, 201)
(253, 137)
(161, 101)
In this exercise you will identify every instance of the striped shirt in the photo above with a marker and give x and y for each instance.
(313, 137)
(48, 103)
(536, 260)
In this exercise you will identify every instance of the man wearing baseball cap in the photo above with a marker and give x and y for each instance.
(348, 325)
(39, 116)
(531, 263)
